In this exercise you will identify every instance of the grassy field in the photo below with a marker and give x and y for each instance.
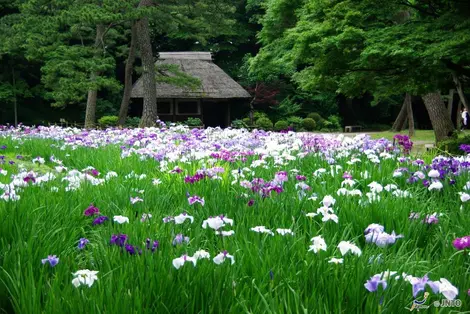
(271, 273)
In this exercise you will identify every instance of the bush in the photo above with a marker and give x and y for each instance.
(264, 123)
(295, 122)
(281, 125)
(258, 115)
(239, 124)
(309, 124)
(333, 123)
(452, 146)
(132, 122)
(108, 121)
(193, 122)
(247, 121)
(319, 120)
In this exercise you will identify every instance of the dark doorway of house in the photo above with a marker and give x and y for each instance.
(214, 113)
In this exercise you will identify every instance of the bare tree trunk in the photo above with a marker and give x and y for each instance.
(459, 87)
(440, 120)
(409, 113)
(459, 116)
(401, 118)
(128, 78)
(149, 114)
(90, 114)
(450, 102)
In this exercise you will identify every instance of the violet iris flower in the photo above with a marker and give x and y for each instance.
(51, 259)
(420, 283)
(91, 210)
(82, 243)
(100, 220)
(373, 283)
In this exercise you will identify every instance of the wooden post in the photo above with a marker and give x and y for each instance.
(173, 104)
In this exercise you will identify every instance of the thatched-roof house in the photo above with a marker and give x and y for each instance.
(213, 101)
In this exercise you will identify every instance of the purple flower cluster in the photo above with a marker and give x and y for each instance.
(465, 148)
(405, 142)
(265, 188)
(100, 220)
(461, 243)
(180, 238)
(155, 245)
(91, 210)
(118, 239)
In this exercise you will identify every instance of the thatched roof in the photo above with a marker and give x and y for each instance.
(215, 83)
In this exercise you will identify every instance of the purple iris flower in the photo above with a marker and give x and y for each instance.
(51, 259)
(118, 240)
(3, 147)
(155, 245)
(251, 202)
(179, 238)
(82, 243)
(131, 249)
(195, 199)
(420, 283)
(100, 220)
(373, 283)
(91, 210)
(461, 243)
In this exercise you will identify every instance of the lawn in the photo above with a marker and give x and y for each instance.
(226, 221)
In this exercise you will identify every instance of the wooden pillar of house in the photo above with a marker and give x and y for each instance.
(227, 115)
(173, 104)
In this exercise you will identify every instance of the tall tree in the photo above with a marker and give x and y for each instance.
(358, 47)
(149, 114)
(126, 95)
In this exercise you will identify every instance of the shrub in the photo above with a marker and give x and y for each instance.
(315, 116)
(333, 123)
(264, 123)
(319, 120)
(239, 124)
(258, 115)
(281, 125)
(108, 121)
(452, 145)
(132, 122)
(193, 122)
(247, 121)
(309, 124)
(295, 122)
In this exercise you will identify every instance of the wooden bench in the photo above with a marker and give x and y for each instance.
(352, 128)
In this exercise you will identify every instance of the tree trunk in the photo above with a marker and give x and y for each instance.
(149, 114)
(459, 115)
(409, 113)
(90, 114)
(450, 102)
(128, 78)
(401, 118)
(440, 120)
(460, 91)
